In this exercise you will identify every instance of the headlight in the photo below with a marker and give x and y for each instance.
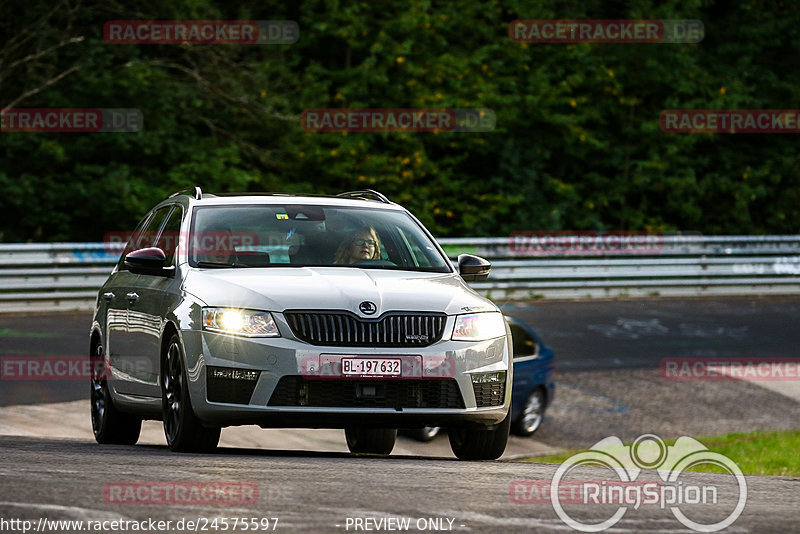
(479, 326)
(248, 323)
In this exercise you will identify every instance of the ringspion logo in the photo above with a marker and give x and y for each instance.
(648, 451)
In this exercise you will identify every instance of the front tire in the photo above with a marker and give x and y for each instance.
(182, 428)
(370, 440)
(532, 415)
(470, 443)
(110, 426)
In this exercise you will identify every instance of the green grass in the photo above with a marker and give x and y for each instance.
(756, 453)
(10, 332)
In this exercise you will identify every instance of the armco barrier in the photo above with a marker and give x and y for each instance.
(66, 276)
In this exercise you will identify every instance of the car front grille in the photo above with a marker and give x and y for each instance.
(489, 394)
(433, 393)
(344, 329)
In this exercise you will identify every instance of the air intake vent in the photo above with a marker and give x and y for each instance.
(345, 329)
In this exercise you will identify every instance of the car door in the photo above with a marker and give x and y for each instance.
(116, 307)
(135, 375)
(146, 314)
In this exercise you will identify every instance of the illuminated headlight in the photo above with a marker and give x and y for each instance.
(248, 323)
(489, 378)
(479, 326)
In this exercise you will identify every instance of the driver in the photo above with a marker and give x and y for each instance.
(363, 244)
(215, 245)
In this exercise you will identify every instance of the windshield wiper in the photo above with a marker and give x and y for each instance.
(217, 265)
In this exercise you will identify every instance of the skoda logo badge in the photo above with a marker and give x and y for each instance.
(367, 307)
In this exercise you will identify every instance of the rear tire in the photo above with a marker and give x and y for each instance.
(424, 434)
(182, 428)
(110, 426)
(470, 443)
(370, 440)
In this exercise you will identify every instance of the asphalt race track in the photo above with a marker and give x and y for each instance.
(608, 383)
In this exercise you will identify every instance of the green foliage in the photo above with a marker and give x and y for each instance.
(577, 144)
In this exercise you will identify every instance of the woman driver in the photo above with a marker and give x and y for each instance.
(362, 244)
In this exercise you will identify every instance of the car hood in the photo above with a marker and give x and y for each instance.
(334, 288)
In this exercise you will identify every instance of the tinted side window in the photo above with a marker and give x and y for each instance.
(144, 237)
(524, 344)
(168, 240)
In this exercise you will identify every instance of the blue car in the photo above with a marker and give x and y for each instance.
(533, 388)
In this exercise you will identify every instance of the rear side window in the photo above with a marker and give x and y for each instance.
(168, 240)
(145, 235)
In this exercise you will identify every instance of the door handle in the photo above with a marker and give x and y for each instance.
(132, 296)
(108, 296)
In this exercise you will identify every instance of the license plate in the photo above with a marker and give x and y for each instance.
(365, 367)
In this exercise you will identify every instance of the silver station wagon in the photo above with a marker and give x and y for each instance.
(297, 311)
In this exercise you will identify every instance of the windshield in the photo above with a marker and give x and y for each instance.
(271, 235)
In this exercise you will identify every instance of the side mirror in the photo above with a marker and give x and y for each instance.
(473, 268)
(148, 261)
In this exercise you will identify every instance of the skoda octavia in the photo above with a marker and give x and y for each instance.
(297, 311)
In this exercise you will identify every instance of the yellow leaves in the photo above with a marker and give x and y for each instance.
(610, 73)
(722, 90)
(405, 161)
(263, 94)
(573, 103)
(362, 178)
(334, 152)
(339, 96)
(484, 67)
(400, 59)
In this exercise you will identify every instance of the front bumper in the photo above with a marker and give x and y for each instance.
(285, 382)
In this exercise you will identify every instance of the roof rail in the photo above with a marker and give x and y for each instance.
(196, 192)
(367, 194)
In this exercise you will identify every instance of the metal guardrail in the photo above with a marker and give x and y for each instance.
(66, 276)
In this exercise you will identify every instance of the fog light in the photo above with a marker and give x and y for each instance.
(233, 374)
(489, 378)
